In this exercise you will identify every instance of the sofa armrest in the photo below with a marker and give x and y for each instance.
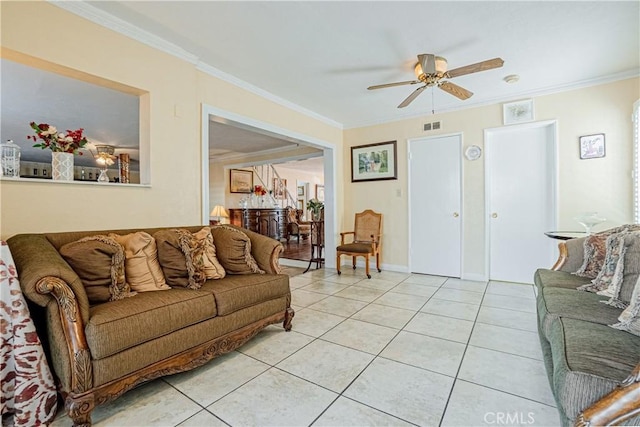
(36, 258)
(265, 250)
(571, 255)
(620, 404)
(81, 372)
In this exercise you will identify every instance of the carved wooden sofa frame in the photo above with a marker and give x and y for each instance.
(621, 403)
(83, 396)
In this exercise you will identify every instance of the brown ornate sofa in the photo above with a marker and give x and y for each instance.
(98, 352)
(593, 369)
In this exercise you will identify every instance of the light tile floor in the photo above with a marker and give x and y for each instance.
(396, 350)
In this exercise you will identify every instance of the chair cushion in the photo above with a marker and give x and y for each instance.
(234, 293)
(361, 248)
(570, 303)
(122, 324)
(589, 360)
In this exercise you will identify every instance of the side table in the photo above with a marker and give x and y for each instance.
(317, 244)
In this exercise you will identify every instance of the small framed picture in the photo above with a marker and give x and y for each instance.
(320, 192)
(374, 162)
(517, 112)
(592, 146)
(301, 190)
(240, 181)
(279, 188)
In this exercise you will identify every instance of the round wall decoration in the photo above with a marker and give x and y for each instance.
(473, 152)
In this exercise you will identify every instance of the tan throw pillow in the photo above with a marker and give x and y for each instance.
(141, 266)
(200, 253)
(99, 262)
(234, 250)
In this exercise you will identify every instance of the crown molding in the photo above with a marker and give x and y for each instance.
(498, 100)
(104, 19)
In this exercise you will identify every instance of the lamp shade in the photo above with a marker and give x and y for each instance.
(219, 211)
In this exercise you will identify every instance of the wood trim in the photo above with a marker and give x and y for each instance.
(562, 257)
(617, 406)
(73, 328)
(275, 259)
(80, 405)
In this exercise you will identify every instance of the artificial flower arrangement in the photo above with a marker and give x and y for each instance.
(70, 142)
(315, 206)
(259, 190)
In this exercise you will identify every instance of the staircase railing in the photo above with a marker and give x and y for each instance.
(269, 178)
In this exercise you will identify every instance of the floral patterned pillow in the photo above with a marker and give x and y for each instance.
(614, 249)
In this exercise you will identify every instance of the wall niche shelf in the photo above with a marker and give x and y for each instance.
(41, 180)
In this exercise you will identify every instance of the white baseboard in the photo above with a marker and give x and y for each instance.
(474, 277)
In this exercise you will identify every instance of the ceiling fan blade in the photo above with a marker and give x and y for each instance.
(428, 63)
(475, 68)
(455, 90)
(411, 97)
(408, 82)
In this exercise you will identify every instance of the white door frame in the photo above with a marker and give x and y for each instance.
(487, 179)
(409, 192)
(330, 162)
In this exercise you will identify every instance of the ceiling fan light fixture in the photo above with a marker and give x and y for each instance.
(441, 67)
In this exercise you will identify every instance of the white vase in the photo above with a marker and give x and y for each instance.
(62, 166)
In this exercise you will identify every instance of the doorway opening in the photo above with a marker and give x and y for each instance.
(293, 146)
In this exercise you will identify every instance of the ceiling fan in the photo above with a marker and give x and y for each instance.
(432, 70)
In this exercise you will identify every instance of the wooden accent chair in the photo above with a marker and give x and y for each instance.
(366, 240)
(295, 226)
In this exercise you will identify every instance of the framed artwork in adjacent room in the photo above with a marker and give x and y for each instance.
(592, 146)
(240, 181)
(320, 192)
(279, 187)
(374, 162)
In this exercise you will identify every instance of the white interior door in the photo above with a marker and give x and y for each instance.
(521, 191)
(435, 205)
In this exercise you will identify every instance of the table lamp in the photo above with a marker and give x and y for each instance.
(219, 211)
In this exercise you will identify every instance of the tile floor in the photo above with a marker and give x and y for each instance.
(398, 349)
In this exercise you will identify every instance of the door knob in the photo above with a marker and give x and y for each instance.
(456, 214)
(494, 215)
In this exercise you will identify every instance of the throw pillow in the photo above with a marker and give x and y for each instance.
(200, 253)
(172, 259)
(629, 319)
(626, 272)
(142, 269)
(99, 262)
(614, 246)
(234, 250)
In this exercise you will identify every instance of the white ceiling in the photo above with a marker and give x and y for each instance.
(322, 55)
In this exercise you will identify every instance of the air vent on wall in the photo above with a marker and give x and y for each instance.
(432, 126)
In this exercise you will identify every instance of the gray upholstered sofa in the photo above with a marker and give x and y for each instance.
(593, 369)
(99, 351)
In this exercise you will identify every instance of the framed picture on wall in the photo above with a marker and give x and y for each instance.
(592, 146)
(240, 181)
(374, 162)
(279, 188)
(517, 112)
(300, 190)
(320, 192)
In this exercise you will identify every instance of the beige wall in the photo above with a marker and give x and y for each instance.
(174, 197)
(602, 185)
